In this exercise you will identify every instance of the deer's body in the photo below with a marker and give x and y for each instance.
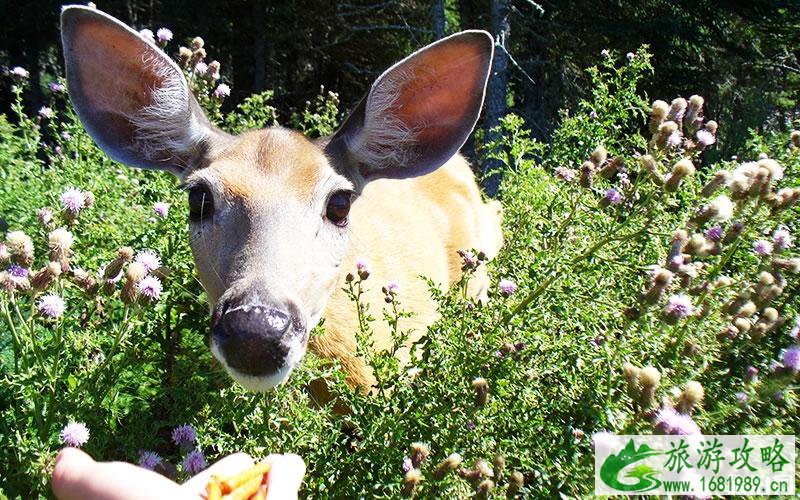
(277, 220)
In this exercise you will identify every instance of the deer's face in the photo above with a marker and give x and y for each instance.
(268, 230)
(268, 224)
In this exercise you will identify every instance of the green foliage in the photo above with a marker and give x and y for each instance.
(551, 353)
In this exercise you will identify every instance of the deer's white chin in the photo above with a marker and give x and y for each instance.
(263, 383)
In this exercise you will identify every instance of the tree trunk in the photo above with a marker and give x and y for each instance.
(496, 92)
(438, 19)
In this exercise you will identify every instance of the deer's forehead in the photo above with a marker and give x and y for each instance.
(271, 162)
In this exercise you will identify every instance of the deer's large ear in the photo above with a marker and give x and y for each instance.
(132, 99)
(418, 113)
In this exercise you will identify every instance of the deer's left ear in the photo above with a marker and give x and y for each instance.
(419, 113)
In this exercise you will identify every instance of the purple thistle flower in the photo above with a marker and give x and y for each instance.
(507, 287)
(714, 233)
(73, 200)
(705, 138)
(20, 72)
(147, 35)
(791, 358)
(184, 435)
(361, 265)
(782, 239)
(742, 398)
(679, 306)
(52, 306)
(164, 35)
(149, 460)
(194, 462)
(565, 174)
(762, 248)
(161, 209)
(150, 287)
(393, 288)
(630, 56)
(57, 88)
(17, 271)
(593, 115)
(222, 91)
(470, 425)
(751, 374)
(674, 139)
(66, 136)
(668, 421)
(45, 112)
(613, 196)
(200, 68)
(148, 259)
(407, 465)
(75, 434)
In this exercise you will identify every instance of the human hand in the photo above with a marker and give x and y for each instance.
(78, 476)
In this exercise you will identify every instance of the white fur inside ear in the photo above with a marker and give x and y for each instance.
(385, 141)
(167, 126)
(266, 382)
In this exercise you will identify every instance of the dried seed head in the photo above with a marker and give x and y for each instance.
(649, 164)
(734, 231)
(599, 155)
(44, 277)
(747, 309)
(447, 465)
(795, 138)
(484, 487)
(666, 129)
(663, 278)
(774, 169)
(720, 178)
(742, 324)
(515, 483)
(770, 315)
(419, 452)
(483, 469)
(499, 464)
(481, 391)
(649, 376)
(20, 246)
(711, 126)
(696, 102)
(587, 172)
(677, 109)
(410, 481)
(197, 43)
(691, 396)
(723, 281)
(659, 109)
(84, 281)
(790, 265)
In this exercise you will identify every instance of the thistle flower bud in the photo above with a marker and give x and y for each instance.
(88, 199)
(677, 109)
(484, 487)
(447, 465)
(587, 172)
(45, 216)
(199, 55)
(136, 272)
(419, 452)
(733, 232)
(611, 167)
(795, 138)
(683, 168)
(790, 265)
(649, 164)
(720, 179)
(481, 391)
(691, 396)
(410, 482)
(515, 483)
(84, 281)
(124, 255)
(45, 276)
(711, 126)
(20, 247)
(599, 155)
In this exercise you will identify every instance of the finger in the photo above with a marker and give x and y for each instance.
(285, 476)
(226, 467)
(78, 476)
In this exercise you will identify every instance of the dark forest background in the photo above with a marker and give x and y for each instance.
(742, 56)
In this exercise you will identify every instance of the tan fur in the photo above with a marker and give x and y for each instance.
(445, 210)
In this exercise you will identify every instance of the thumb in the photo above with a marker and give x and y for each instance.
(285, 476)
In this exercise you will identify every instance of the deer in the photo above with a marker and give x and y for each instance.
(278, 220)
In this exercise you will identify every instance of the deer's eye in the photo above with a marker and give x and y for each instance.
(201, 202)
(339, 207)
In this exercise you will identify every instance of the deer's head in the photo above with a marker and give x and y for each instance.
(268, 220)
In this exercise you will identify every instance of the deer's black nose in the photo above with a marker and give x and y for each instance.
(254, 339)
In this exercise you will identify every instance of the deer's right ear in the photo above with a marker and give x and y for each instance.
(132, 99)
